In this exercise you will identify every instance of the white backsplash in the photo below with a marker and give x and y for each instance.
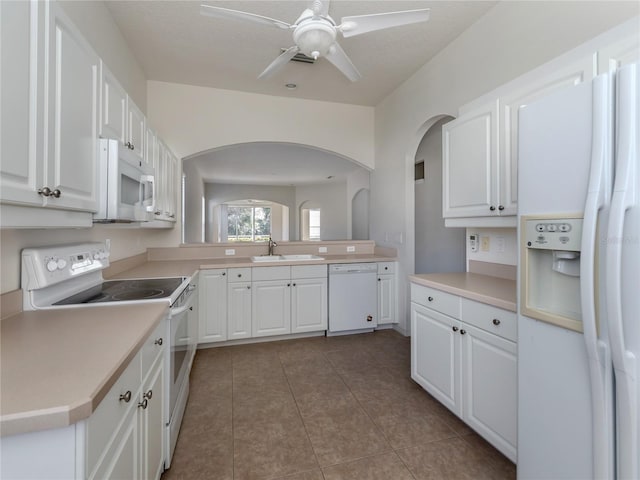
(495, 245)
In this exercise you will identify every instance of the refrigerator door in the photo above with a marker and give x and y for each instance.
(622, 273)
(555, 432)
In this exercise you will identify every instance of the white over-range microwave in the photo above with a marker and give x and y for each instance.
(126, 188)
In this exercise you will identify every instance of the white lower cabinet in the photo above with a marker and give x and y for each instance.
(387, 294)
(271, 301)
(122, 439)
(239, 310)
(464, 354)
(309, 307)
(212, 306)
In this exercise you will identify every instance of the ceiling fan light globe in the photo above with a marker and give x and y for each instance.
(314, 38)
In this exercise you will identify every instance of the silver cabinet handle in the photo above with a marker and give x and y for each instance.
(158, 342)
(492, 208)
(455, 329)
(143, 404)
(463, 331)
(496, 322)
(500, 207)
(191, 308)
(56, 193)
(148, 395)
(44, 191)
(126, 397)
(430, 299)
(248, 287)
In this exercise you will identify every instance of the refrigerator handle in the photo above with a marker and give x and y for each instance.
(623, 198)
(597, 350)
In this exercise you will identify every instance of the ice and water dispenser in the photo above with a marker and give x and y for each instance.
(550, 262)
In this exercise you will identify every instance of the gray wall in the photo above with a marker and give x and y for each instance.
(332, 200)
(438, 249)
(360, 215)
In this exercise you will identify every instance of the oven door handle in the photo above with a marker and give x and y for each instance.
(180, 310)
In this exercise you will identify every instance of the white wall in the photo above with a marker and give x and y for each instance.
(95, 22)
(332, 200)
(509, 40)
(195, 119)
(438, 249)
(501, 245)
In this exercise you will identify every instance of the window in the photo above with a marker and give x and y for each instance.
(248, 224)
(310, 224)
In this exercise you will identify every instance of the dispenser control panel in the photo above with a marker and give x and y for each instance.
(554, 233)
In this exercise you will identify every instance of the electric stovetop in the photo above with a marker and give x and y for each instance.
(125, 290)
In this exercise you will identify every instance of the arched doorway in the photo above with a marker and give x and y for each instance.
(437, 248)
(360, 215)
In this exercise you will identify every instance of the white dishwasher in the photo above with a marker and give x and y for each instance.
(353, 298)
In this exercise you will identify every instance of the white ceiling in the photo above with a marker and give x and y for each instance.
(264, 163)
(174, 43)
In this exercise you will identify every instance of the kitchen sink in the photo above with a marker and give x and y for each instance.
(284, 258)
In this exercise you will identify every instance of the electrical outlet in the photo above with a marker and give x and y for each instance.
(230, 251)
(322, 249)
(351, 249)
(485, 244)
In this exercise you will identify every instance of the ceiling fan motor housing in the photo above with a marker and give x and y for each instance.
(314, 36)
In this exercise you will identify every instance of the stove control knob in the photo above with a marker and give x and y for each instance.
(96, 256)
(52, 265)
(62, 263)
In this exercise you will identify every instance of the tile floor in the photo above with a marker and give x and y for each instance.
(323, 408)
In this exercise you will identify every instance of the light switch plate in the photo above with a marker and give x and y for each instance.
(230, 251)
(351, 249)
(322, 249)
(485, 244)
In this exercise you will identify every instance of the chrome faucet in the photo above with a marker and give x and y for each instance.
(272, 245)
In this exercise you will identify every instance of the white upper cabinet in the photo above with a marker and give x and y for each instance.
(469, 149)
(120, 118)
(71, 134)
(480, 147)
(618, 54)
(20, 173)
(113, 107)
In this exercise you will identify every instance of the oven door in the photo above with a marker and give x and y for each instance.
(182, 349)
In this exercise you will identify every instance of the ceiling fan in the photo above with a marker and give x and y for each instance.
(315, 32)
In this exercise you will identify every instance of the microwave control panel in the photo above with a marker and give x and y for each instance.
(553, 233)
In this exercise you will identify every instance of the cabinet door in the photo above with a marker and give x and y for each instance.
(387, 299)
(213, 306)
(137, 129)
(239, 310)
(489, 375)
(160, 178)
(271, 307)
(308, 305)
(20, 49)
(172, 186)
(113, 107)
(470, 160)
(152, 424)
(435, 355)
(151, 148)
(122, 461)
(509, 105)
(71, 125)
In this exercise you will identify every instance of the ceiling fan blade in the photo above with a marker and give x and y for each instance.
(319, 7)
(219, 12)
(279, 62)
(359, 24)
(341, 61)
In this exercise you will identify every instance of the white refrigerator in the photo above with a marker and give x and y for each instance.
(579, 281)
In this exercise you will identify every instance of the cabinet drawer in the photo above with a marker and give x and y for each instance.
(271, 273)
(109, 415)
(153, 347)
(386, 267)
(492, 319)
(436, 300)
(309, 271)
(239, 274)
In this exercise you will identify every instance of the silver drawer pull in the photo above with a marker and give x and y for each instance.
(143, 404)
(126, 397)
(455, 329)
(430, 299)
(148, 395)
(463, 331)
(496, 322)
(158, 341)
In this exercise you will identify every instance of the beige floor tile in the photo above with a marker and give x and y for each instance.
(381, 467)
(310, 475)
(344, 433)
(451, 458)
(415, 431)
